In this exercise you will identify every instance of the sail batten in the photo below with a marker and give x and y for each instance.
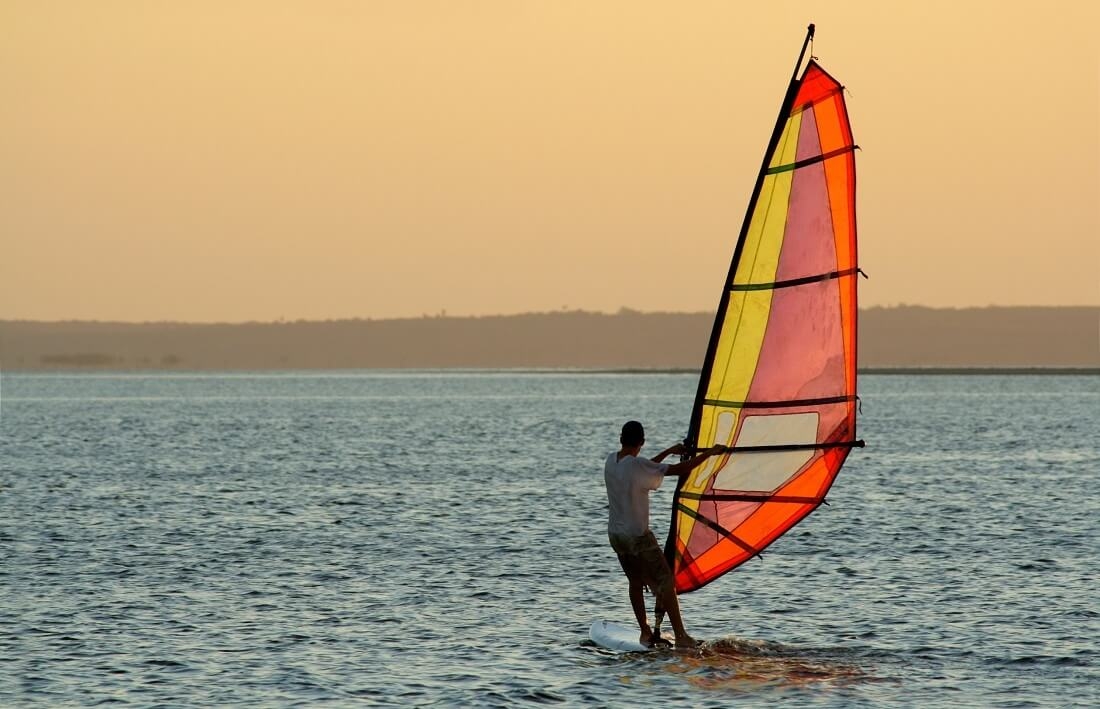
(790, 283)
(747, 497)
(812, 160)
(714, 526)
(778, 385)
(842, 398)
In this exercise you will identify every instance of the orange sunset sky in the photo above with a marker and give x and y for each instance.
(257, 159)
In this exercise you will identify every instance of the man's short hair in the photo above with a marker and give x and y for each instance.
(633, 434)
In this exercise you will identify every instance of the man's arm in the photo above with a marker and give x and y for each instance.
(684, 467)
(677, 449)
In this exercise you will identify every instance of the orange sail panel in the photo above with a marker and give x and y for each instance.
(779, 383)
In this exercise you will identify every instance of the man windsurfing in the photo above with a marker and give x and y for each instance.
(629, 479)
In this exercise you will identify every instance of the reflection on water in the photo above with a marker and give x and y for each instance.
(744, 665)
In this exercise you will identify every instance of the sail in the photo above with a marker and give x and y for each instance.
(779, 380)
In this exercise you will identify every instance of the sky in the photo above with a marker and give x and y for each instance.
(235, 160)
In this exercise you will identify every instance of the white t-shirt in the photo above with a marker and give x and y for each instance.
(628, 484)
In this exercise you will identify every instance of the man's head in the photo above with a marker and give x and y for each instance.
(633, 435)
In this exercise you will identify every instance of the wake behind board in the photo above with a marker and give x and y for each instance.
(619, 638)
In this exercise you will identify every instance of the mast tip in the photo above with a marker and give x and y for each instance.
(810, 29)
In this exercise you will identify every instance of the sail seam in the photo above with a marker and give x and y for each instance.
(718, 528)
(811, 161)
(820, 99)
(794, 281)
(777, 404)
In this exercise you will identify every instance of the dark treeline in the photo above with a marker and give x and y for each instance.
(900, 337)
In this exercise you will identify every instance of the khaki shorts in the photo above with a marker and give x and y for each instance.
(642, 560)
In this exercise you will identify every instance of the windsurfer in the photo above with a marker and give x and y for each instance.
(629, 478)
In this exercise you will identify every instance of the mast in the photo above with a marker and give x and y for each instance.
(723, 303)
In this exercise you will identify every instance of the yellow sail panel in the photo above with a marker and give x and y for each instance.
(746, 317)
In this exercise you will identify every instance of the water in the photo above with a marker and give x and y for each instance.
(438, 539)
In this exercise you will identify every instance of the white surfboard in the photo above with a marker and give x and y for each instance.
(616, 637)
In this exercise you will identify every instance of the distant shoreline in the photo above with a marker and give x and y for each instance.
(903, 340)
(872, 371)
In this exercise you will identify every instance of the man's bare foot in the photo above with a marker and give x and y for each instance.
(686, 641)
(646, 638)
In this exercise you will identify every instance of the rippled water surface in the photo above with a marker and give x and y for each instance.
(439, 539)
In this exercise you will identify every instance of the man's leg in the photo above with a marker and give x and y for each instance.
(671, 604)
(637, 602)
(664, 590)
(635, 576)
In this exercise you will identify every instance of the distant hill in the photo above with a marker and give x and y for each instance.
(900, 337)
